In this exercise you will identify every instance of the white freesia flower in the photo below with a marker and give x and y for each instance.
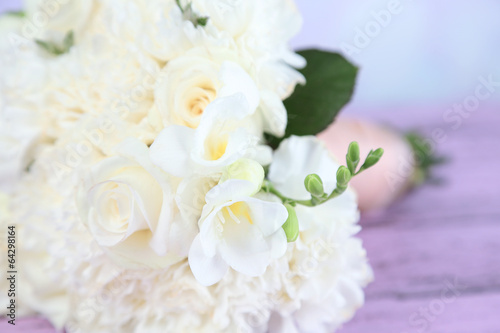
(237, 231)
(127, 204)
(223, 136)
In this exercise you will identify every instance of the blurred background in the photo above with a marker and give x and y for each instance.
(411, 53)
(431, 66)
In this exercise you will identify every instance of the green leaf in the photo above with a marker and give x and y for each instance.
(202, 21)
(54, 49)
(190, 15)
(69, 41)
(330, 81)
(426, 159)
(19, 13)
(51, 48)
(178, 2)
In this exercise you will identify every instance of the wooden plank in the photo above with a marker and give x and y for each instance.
(414, 262)
(468, 313)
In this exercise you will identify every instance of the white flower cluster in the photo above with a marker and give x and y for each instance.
(132, 162)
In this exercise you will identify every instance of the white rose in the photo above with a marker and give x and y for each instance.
(237, 231)
(188, 84)
(127, 204)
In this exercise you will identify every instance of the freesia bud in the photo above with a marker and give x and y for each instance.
(372, 158)
(343, 176)
(291, 225)
(352, 156)
(244, 169)
(314, 185)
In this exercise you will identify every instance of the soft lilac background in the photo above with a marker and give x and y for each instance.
(429, 57)
(432, 52)
(6, 5)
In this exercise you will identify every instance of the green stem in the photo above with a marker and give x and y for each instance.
(308, 203)
(268, 187)
(178, 2)
(337, 192)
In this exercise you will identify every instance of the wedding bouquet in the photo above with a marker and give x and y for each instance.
(159, 165)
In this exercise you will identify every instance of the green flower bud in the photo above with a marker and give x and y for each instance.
(314, 185)
(372, 158)
(352, 157)
(291, 225)
(353, 151)
(343, 176)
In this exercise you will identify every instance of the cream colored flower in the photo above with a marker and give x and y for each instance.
(237, 231)
(127, 204)
(226, 133)
(188, 84)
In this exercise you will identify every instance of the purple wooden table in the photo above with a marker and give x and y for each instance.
(435, 252)
(438, 237)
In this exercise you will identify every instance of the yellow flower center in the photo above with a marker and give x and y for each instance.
(237, 212)
(216, 146)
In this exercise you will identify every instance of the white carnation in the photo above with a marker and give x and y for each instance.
(327, 267)
(49, 18)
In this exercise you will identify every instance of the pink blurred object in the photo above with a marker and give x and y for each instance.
(379, 186)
